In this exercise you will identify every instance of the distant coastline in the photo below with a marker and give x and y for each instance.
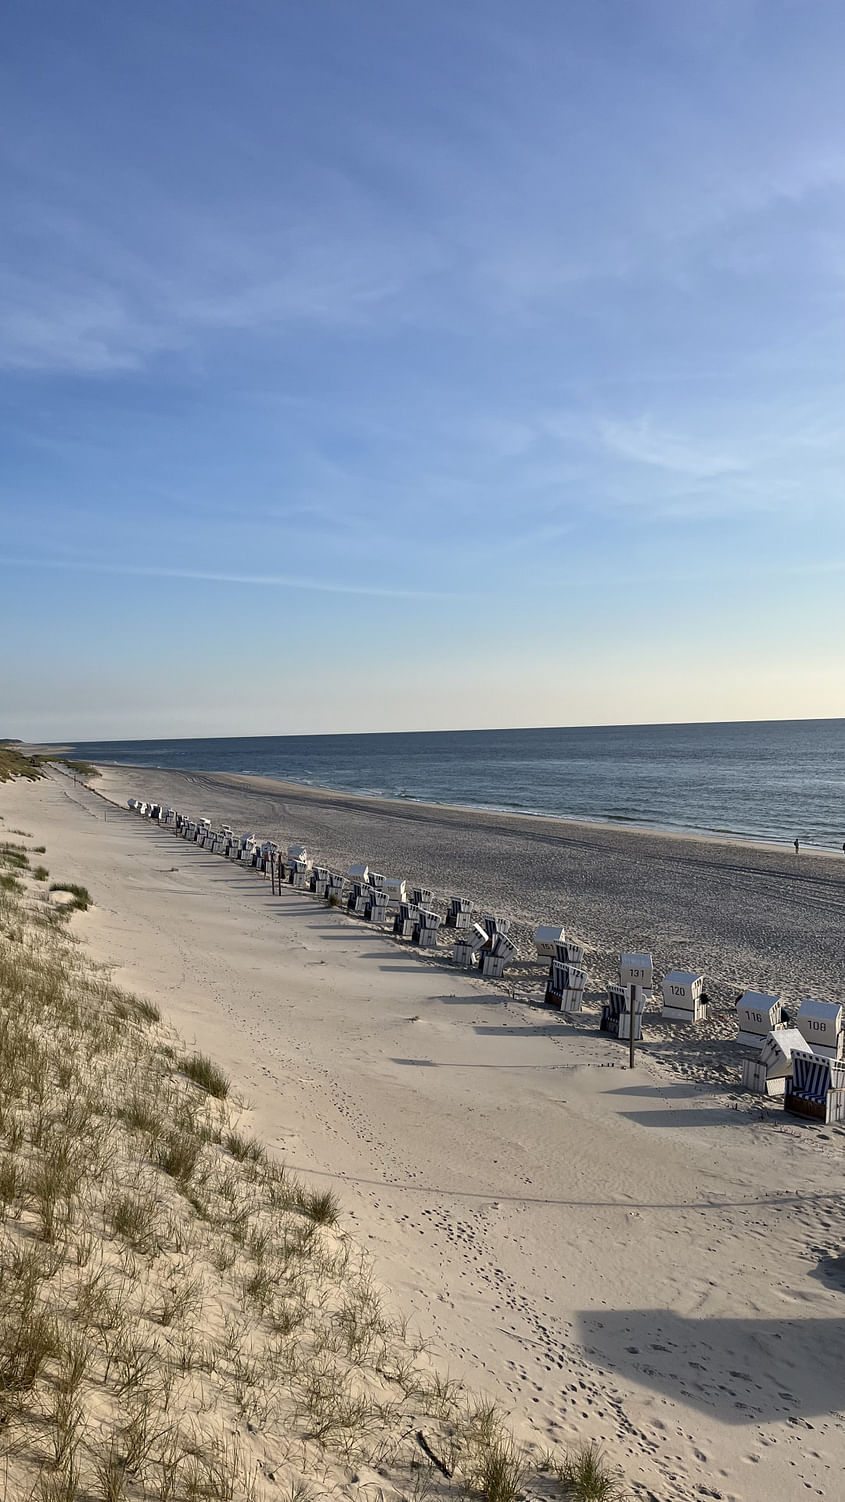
(406, 802)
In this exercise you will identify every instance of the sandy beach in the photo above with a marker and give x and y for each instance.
(645, 1258)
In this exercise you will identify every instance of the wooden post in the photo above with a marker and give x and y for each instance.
(633, 990)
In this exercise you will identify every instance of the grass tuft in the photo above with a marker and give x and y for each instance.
(320, 1205)
(205, 1073)
(586, 1476)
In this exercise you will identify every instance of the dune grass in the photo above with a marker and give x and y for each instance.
(80, 895)
(205, 1073)
(13, 764)
(181, 1318)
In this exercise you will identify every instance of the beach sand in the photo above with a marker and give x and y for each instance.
(640, 1258)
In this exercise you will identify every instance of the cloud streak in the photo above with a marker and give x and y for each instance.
(214, 576)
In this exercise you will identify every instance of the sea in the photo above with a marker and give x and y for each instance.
(775, 780)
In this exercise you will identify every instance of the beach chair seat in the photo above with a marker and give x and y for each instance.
(546, 939)
(359, 872)
(421, 897)
(395, 888)
(683, 996)
(816, 1090)
(459, 914)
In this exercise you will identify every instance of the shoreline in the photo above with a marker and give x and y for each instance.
(289, 786)
(751, 917)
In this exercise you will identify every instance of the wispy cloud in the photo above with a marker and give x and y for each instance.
(213, 576)
(645, 443)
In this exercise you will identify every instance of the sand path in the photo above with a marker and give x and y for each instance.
(621, 1256)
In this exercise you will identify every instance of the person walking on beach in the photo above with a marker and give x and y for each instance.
(796, 847)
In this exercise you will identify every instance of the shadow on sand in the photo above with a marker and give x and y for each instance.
(745, 1371)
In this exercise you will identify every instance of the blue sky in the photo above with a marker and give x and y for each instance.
(396, 365)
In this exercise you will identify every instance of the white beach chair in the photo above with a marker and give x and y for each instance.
(820, 1023)
(395, 887)
(546, 938)
(683, 996)
(758, 1014)
(421, 897)
(754, 1076)
(637, 970)
(359, 872)
(777, 1055)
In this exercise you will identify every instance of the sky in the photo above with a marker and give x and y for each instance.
(402, 365)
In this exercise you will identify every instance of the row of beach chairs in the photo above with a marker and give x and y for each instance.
(802, 1063)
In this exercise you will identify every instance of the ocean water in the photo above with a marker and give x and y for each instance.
(775, 780)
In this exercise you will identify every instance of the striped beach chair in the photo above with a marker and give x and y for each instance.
(459, 914)
(377, 906)
(463, 954)
(568, 953)
(358, 899)
(493, 960)
(494, 926)
(565, 987)
(616, 1012)
(406, 920)
(425, 929)
(817, 1089)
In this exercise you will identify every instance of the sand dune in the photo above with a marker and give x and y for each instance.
(634, 1257)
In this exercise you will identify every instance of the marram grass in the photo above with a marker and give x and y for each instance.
(180, 1317)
